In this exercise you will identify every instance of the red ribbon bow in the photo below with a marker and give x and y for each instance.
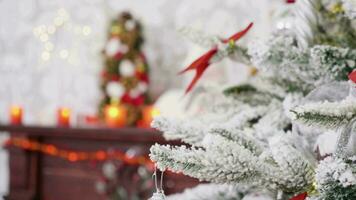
(300, 196)
(203, 62)
(352, 76)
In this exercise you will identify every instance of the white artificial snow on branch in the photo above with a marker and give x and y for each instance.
(326, 114)
(350, 8)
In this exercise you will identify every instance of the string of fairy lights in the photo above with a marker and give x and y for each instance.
(61, 22)
(77, 156)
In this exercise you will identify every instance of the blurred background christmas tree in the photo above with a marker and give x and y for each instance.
(125, 76)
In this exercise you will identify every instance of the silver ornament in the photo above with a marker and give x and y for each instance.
(158, 196)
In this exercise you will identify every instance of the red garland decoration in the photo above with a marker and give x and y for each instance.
(203, 62)
(352, 76)
(302, 196)
(290, 1)
(76, 156)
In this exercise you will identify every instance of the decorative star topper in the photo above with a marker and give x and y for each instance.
(223, 48)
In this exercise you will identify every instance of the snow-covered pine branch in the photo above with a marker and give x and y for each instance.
(246, 118)
(296, 172)
(350, 8)
(223, 162)
(191, 132)
(281, 58)
(297, 69)
(336, 178)
(325, 22)
(331, 63)
(211, 192)
(248, 94)
(273, 121)
(270, 86)
(199, 37)
(241, 137)
(233, 142)
(326, 114)
(279, 50)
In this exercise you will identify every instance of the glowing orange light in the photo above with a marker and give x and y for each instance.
(16, 115)
(51, 149)
(73, 156)
(82, 156)
(34, 146)
(25, 144)
(115, 115)
(100, 155)
(63, 117)
(148, 114)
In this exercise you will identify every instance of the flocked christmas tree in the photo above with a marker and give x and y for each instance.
(125, 74)
(264, 139)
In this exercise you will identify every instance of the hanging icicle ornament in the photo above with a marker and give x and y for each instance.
(159, 194)
(222, 49)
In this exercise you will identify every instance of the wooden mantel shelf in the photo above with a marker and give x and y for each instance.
(97, 133)
(36, 176)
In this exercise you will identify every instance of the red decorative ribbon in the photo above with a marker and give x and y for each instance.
(203, 62)
(302, 196)
(352, 76)
(290, 1)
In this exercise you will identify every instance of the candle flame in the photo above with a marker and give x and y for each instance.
(65, 112)
(114, 111)
(16, 110)
(155, 112)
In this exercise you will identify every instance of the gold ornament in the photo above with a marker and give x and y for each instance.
(116, 30)
(253, 71)
(130, 82)
(141, 68)
(313, 189)
(337, 8)
(114, 101)
(231, 44)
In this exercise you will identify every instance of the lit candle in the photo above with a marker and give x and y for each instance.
(63, 117)
(148, 114)
(16, 115)
(115, 115)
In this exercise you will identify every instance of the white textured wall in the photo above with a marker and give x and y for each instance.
(43, 86)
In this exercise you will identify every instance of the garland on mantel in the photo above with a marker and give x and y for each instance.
(76, 156)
